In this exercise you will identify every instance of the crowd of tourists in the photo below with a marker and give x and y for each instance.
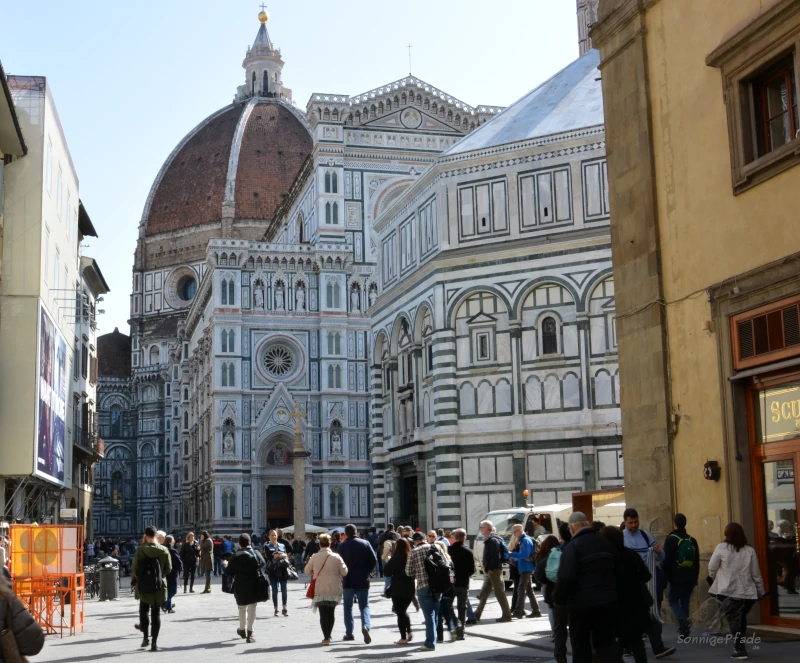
(603, 585)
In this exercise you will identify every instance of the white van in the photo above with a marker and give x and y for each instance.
(539, 522)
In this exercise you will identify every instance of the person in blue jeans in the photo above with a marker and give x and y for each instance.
(276, 552)
(429, 601)
(682, 569)
(359, 557)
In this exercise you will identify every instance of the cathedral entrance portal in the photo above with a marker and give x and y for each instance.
(280, 506)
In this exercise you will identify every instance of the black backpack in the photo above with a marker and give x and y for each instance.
(148, 576)
(440, 574)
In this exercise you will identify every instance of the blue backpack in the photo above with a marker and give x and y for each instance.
(504, 556)
(553, 562)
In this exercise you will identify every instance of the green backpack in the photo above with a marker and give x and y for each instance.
(686, 555)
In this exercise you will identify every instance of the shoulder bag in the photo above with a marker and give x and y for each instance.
(8, 642)
(312, 586)
(262, 582)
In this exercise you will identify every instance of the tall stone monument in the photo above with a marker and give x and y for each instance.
(299, 455)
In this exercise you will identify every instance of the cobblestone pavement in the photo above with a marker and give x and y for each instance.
(203, 628)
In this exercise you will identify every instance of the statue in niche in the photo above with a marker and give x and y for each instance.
(373, 292)
(227, 443)
(300, 298)
(336, 443)
(355, 305)
(279, 299)
(258, 295)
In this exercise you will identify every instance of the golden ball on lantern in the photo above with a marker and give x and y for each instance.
(263, 16)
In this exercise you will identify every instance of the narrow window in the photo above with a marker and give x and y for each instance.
(224, 292)
(327, 213)
(330, 377)
(224, 336)
(186, 420)
(483, 347)
(231, 341)
(231, 299)
(775, 101)
(335, 183)
(327, 182)
(232, 375)
(224, 375)
(549, 336)
(338, 377)
(430, 357)
(335, 214)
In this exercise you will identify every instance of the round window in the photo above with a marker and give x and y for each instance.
(187, 289)
(278, 361)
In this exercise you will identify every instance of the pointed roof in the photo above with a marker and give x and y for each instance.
(263, 44)
(570, 100)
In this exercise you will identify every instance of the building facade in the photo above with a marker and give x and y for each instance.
(48, 357)
(495, 362)
(255, 266)
(702, 144)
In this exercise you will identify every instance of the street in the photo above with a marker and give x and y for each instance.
(204, 627)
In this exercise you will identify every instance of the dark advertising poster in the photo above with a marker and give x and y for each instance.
(51, 400)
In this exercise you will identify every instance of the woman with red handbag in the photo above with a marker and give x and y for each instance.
(326, 569)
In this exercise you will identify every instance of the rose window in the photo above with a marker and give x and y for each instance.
(279, 361)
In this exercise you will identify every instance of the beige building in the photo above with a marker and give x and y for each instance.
(702, 138)
(48, 296)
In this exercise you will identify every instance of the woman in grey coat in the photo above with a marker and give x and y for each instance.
(27, 633)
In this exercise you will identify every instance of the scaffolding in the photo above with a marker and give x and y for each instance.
(47, 574)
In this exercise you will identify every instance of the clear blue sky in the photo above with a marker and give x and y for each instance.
(131, 79)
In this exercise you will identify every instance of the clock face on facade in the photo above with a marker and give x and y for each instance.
(411, 118)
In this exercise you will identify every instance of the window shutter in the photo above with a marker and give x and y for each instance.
(768, 334)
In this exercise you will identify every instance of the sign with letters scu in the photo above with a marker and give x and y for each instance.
(777, 413)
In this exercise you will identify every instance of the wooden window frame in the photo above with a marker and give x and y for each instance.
(768, 357)
(780, 69)
(741, 58)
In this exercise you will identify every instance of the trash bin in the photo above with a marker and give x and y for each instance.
(109, 579)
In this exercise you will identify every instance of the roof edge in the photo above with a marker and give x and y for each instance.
(23, 148)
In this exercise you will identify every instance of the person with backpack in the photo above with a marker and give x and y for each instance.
(402, 588)
(446, 613)
(298, 548)
(523, 554)
(643, 543)
(244, 566)
(424, 564)
(546, 575)
(206, 559)
(495, 553)
(173, 575)
(464, 568)
(682, 569)
(149, 570)
(385, 547)
(360, 559)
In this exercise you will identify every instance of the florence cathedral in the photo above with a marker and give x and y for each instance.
(429, 281)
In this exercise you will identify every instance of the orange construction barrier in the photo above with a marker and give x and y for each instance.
(47, 574)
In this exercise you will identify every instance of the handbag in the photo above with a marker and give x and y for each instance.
(227, 583)
(291, 573)
(312, 586)
(8, 642)
(262, 582)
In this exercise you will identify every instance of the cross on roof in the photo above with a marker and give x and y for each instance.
(263, 7)
(409, 47)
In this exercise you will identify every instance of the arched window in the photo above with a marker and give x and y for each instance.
(231, 375)
(549, 336)
(224, 340)
(231, 299)
(265, 89)
(155, 356)
(333, 291)
(186, 472)
(186, 447)
(116, 421)
(253, 85)
(334, 376)
(337, 503)
(231, 341)
(327, 182)
(224, 382)
(186, 420)
(228, 502)
(224, 292)
(335, 183)
(116, 490)
(328, 213)
(335, 214)
(175, 434)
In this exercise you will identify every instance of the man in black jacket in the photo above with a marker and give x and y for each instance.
(682, 568)
(298, 548)
(493, 553)
(587, 583)
(464, 567)
(360, 559)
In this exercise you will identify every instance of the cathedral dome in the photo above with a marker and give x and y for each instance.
(238, 163)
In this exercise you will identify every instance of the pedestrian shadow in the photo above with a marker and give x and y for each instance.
(273, 650)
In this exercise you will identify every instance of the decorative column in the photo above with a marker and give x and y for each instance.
(299, 455)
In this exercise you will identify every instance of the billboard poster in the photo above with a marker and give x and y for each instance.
(51, 406)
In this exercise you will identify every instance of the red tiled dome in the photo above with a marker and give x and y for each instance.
(273, 143)
(114, 355)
